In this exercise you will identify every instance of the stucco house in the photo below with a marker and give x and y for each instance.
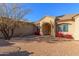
(46, 25)
(64, 26)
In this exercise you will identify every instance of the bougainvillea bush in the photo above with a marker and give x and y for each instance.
(59, 34)
(37, 32)
(68, 36)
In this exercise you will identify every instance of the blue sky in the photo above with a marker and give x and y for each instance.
(40, 10)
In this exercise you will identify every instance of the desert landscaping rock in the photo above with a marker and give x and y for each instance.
(44, 48)
(58, 48)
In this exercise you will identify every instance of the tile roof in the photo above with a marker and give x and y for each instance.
(67, 16)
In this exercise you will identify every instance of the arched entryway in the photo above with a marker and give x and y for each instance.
(46, 29)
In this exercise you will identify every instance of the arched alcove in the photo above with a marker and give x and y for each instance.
(46, 29)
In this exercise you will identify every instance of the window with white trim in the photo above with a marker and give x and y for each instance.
(63, 27)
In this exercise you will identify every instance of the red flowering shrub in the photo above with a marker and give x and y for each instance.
(68, 36)
(37, 32)
(59, 34)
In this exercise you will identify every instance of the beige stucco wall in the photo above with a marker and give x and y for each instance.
(27, 29)
(76, 27)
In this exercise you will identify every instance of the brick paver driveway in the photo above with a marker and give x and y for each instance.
(54, 48)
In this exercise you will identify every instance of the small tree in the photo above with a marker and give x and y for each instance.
(9, 14)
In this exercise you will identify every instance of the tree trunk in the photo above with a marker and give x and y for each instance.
(8, 35)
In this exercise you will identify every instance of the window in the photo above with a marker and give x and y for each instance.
(60, 28)
(63, 27)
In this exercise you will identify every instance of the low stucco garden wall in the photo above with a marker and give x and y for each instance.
(28, 29)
